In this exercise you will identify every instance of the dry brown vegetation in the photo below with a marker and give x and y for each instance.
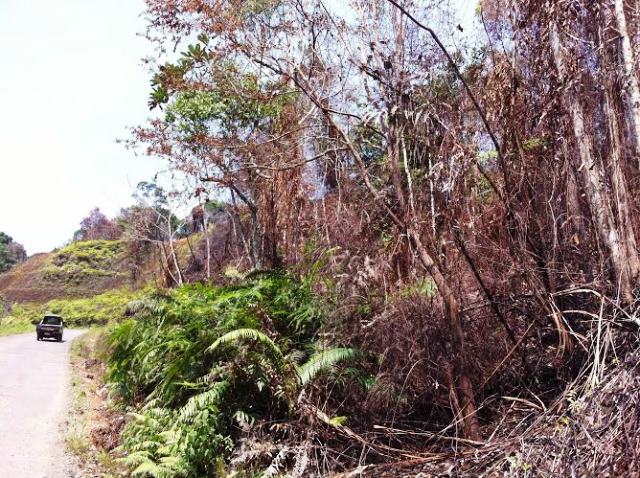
(472, 215)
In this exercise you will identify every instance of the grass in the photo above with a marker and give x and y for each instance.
(81, 269)
(85, 312)
(76, 437)
(15, 325)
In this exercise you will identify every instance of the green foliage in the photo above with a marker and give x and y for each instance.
(157, 447)
(14, 325)
(166, 346)
(324, 361)
(97, 310)
(425, 287)
(234, 103)
(83, 261)
(214, 206)
(274, 353)
(11, 252)
(92, 252)
(258, 7)
(198, 359)
(234, 99)
(535, 143)
(194, 109)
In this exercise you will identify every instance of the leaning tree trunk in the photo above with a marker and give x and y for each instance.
(593, 178)
(632, 89)
(461, 380)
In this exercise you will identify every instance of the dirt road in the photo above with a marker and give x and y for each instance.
(34, 397)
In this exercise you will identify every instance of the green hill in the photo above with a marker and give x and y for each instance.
(82, 269)
(86, 282)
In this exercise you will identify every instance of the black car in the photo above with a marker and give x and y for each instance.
(50, 326)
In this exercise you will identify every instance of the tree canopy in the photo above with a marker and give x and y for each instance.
(11, 252)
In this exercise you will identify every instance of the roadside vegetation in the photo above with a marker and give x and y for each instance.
(92, 427)
(10, 325)
(78, 313)
(405, 251)
(200, 366)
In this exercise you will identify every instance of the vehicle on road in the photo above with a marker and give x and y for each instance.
(51, 326)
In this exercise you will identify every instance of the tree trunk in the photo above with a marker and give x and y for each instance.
(461, 379)
(620, 191)
(255, 240)
(593, 178)
(169, 279)
(632, 90)
(174, 255)
(208, 246)
(573, 199)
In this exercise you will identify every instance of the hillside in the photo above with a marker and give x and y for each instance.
(82, 269)
(87, 282)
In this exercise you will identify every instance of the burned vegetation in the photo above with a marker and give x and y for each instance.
(422, 253)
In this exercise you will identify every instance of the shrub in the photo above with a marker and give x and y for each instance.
(197, 359)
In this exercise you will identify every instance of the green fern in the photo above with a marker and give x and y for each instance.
(148, 467)
(207, 400)
(322, 362)
(178, 364)
(250, 334)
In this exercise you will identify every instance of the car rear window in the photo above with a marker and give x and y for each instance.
(52, 320)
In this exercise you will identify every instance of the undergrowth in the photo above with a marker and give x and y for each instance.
(14, 325)
(200, 365)
(90, 422)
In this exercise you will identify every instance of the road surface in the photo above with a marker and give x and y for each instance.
(34, 399)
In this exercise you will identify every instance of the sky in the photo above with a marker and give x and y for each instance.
(71, 81)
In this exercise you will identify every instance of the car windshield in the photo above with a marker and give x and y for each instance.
(52, 320)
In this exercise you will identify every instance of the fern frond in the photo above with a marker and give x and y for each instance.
(244, 419)
(250, 334)
(323, 361)
(148, 468)
(149, 305)
(210, 399)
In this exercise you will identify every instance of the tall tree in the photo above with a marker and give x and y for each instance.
(97, 226)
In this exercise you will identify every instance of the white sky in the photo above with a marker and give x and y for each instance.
(70, 83)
